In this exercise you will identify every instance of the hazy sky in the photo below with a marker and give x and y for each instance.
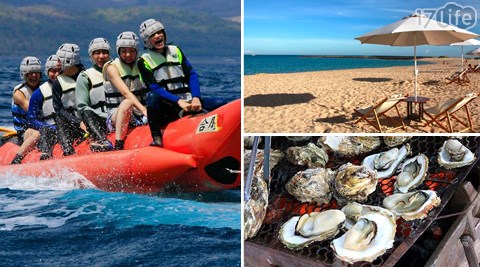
(315, 27)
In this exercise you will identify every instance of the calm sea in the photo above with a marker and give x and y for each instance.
(290, 64)
(53, 222)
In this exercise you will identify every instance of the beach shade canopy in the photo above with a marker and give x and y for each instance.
(416, 30)
(468, 42)
(475, 52)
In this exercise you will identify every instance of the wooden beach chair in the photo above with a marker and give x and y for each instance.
(459, 77)
(372, 114)
(446, 111)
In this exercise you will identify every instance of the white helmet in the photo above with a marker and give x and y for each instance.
(29, 65)
(52, 63)
(69, 55)
(99, 43)
(149, 27)
(127, 39)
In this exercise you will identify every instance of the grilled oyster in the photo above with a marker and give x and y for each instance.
(392, 141)
(354, 210)
(412, 205)
(354, 182)
(386, 163)
(370, 237)
(413, 173)
(312, 185)
(310, 155)
(350, 145)
(256, 207)
(298, 138)
(454, 155)
(300, 231)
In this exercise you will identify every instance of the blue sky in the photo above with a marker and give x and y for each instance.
(315, 27)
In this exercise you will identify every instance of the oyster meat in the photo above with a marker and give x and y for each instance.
(256, 207)
(310, 155)
(386, 163)
(300, 231)
(354, 182)
(413, 173)
(312, 185)
(454, 155)
(393, 141)
(413, 205)
(350, 145)
(354, 210)
(369, 238)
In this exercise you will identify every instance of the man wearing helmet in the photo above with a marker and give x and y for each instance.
(168, 74)
(90, 95)
(69, 125)
(125, 93)
(40, 114)
(30, 72)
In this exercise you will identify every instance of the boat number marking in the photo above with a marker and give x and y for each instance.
(209, 124)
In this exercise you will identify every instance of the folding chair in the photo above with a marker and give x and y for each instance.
(379, 110)
(459, 77)
(446, 109)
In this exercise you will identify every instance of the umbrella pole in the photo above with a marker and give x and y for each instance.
(462, 58)
(415, 59)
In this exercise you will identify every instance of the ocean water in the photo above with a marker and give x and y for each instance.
(68, 222)
(289, 64)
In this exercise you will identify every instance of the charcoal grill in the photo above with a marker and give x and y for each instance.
(265, 249)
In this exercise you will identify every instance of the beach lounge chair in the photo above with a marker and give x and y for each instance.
(446, 111)
(459, 77)
(372, 114)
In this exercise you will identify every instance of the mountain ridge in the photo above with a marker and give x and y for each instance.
(39, 29)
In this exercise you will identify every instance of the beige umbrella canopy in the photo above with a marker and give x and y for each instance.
(468, 42)
(416, 30)
(475, 52)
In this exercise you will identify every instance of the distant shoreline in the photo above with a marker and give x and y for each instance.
(357, 56)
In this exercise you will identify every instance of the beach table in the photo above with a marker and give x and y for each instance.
(420, 100)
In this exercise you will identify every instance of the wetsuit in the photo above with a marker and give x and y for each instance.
(162, 106)
(90, 101)
(67, 122)
(38, 119)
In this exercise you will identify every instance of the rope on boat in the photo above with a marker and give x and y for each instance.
(8, 132)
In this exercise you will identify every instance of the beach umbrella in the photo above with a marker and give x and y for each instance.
(416, 30)
(475, 52)
(468, 42)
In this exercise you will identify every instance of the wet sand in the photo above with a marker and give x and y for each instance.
(324, 101)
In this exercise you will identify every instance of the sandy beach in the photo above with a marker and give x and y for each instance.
(324, 101)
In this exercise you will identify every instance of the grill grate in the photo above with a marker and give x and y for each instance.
(282, 206)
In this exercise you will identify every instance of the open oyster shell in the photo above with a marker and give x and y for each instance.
(350, 145)
(354, 210)
(310, 155)
(454, 155)
(413, 205)
(413, 173)
(300, 231)
(312, 185)
(386, 163)
(370, 237)
(354, 182)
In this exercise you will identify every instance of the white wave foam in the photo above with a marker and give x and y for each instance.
(66, 180)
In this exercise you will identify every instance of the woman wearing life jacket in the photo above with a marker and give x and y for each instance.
(170, 77)
(69, 125)
(90, 95)
(31, 74)
(40, 113)
(124, 92)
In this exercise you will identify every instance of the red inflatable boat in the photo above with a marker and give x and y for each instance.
(201, 153)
